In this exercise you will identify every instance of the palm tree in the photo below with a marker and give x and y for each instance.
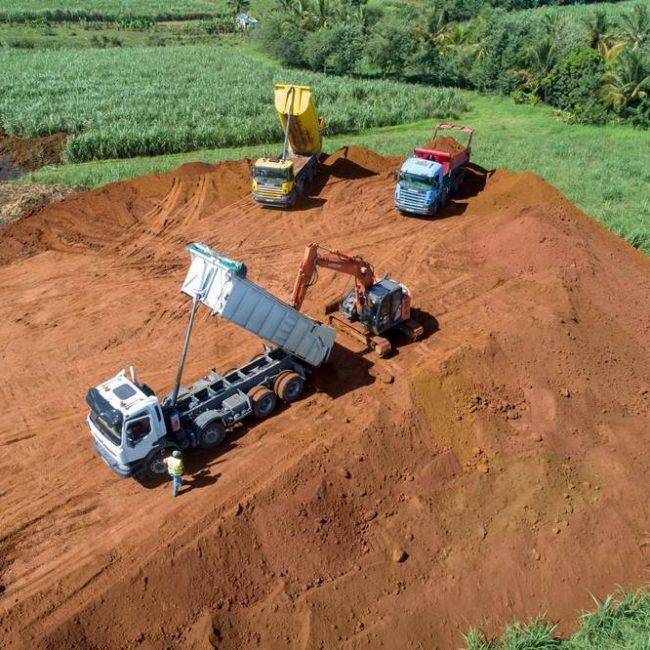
(609, 53)
(598, 28)
(430, 31)
(628, 82)
(635, 26)
(238, 6)
(285, 6)
(324, 13)
(540, 59)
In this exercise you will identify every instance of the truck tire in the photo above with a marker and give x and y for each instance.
(264, 401)
(154, 467)
(211, 435)
(289, 386)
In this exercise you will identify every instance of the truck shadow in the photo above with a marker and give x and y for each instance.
(428, 321)
(342, 168)
(345, 371)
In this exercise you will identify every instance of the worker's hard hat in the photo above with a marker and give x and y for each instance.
(176, 453)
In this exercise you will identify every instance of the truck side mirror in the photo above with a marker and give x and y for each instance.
(395, 175)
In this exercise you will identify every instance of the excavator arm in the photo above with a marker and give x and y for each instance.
(318, 256)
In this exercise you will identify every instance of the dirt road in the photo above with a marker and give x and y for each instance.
(491, 472)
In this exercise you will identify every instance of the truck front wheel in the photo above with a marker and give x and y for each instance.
(154, 464)
(212, 435)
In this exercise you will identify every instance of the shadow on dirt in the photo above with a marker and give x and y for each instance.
(345, 371)
(428, 321)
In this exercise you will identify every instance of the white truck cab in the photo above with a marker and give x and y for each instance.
(126, 422)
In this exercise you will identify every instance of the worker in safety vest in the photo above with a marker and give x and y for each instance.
(175, 468)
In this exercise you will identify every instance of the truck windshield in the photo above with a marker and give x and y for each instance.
(272, 175)
(107, 419)
(416, 182)
(111, 431)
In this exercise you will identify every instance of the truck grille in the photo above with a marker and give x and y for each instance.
(411, 200)
(269, 192)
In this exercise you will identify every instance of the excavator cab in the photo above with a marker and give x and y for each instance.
(386, 305)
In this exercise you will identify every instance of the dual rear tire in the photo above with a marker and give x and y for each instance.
(288, 386)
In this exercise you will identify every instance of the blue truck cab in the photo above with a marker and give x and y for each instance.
(421, 187)
(434, 172)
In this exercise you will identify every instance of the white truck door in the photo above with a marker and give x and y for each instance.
(141, 433)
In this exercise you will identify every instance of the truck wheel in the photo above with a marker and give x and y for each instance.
(264, 401)
(212, 435)
(154, 466)
(289, 386)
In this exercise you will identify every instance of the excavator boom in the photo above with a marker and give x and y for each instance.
(317, 255)
(368, 311)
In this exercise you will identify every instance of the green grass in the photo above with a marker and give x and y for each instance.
(102, 35)
(612, 9)
(619, 623)
(78, 10)
(603, 169)
(119, 103)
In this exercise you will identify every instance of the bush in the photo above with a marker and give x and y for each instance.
(336, 50)
(390, 47)
(283, 39)
(573, 85)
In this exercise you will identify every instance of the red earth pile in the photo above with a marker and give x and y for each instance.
(445, 143)
(490, 472)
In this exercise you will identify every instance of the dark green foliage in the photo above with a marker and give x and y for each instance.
(589, 66)
(573, 85)
(336, 50)
(283, 39)
(390, 47)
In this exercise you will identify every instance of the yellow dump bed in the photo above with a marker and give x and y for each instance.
(304, 126)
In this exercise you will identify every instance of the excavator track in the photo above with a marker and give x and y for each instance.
(359, 332)
(413, 330)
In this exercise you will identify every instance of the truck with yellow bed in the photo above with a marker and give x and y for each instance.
(280, 181)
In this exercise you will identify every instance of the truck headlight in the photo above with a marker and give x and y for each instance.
(428, 197)
(286, 188)
(254, 185)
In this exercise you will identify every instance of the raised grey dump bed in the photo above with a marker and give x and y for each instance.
(222, 286)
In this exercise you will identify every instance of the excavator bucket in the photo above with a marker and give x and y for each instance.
(295, 105)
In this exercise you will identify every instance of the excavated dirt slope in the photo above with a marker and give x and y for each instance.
(495, 470)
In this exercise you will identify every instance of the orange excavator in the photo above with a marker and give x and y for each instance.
(369, 310)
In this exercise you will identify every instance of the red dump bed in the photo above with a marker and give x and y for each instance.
(444, 158)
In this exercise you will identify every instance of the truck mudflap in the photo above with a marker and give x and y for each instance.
(229, 294)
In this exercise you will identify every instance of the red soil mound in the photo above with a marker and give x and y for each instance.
(445, 143)
(499, 458)
(358, 162)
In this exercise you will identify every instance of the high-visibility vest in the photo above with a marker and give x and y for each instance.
(175, 466)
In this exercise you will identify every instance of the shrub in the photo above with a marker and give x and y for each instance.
(574, 83)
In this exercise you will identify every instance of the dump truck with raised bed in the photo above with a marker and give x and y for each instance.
(133, 430)
(280, 181)
(368, 311)
(434, 172)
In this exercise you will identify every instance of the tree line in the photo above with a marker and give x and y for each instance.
(594, 68)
